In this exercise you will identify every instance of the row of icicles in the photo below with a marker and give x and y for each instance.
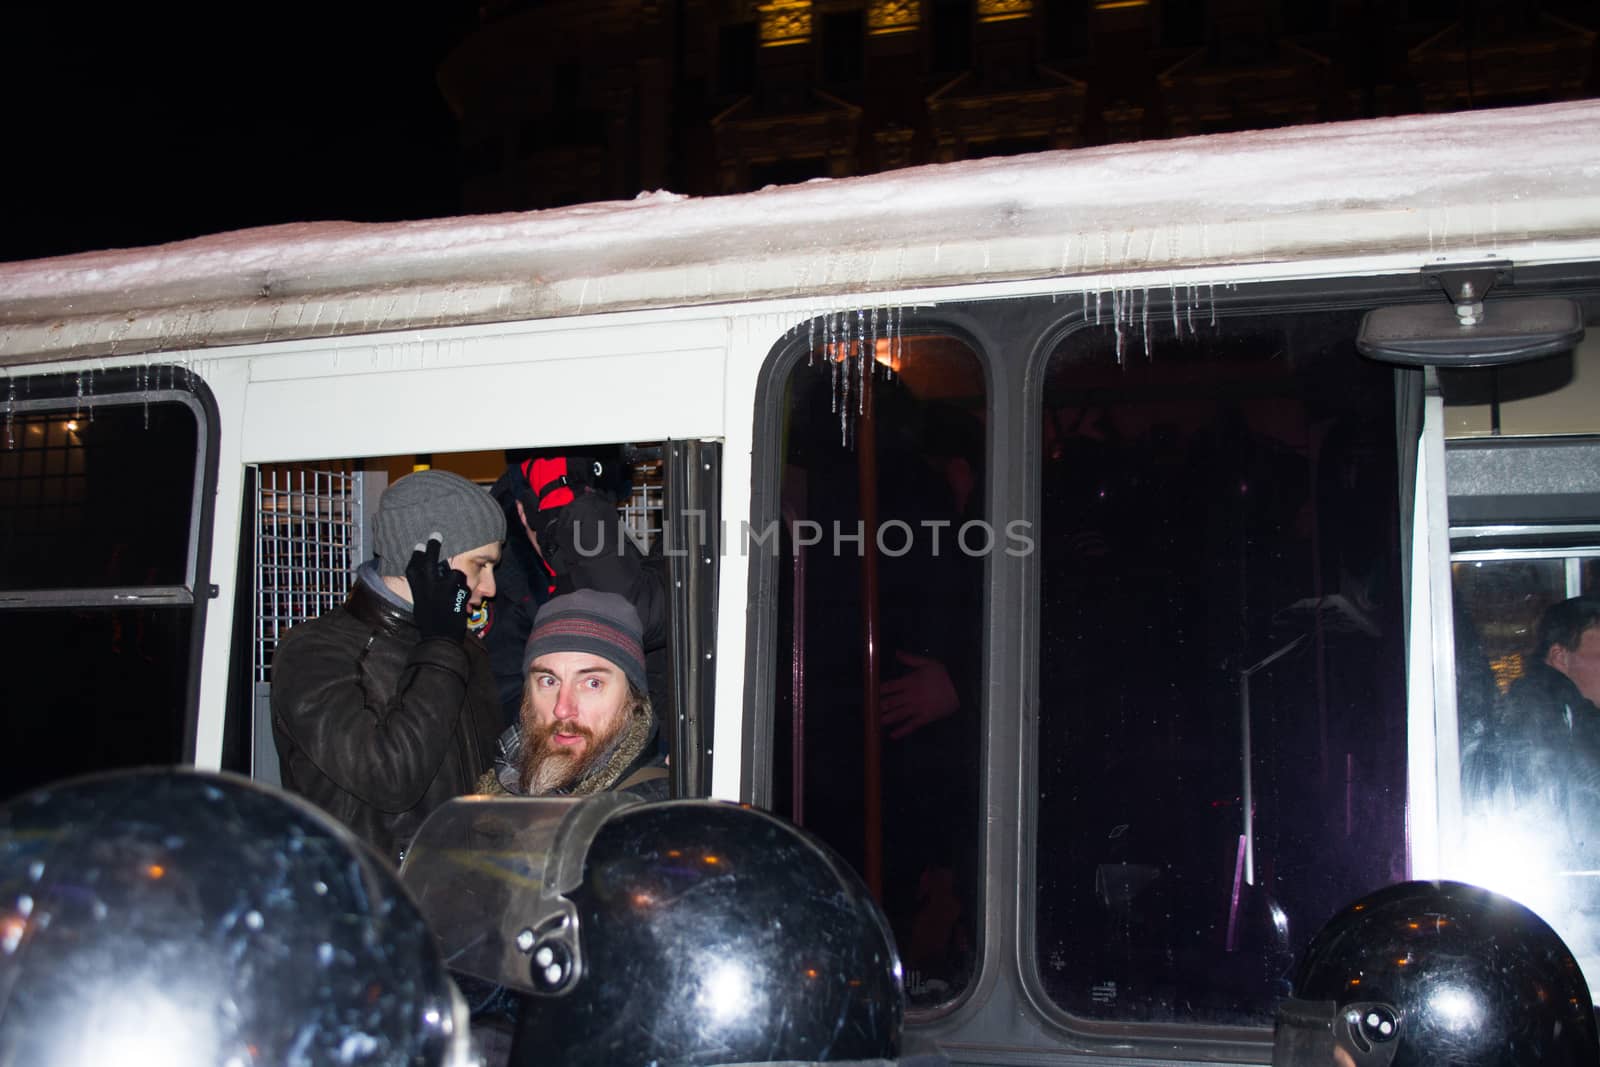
(844, 337)
(148, 378)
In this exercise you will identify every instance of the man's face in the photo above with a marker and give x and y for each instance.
(573, 705)
(527, 528)
(478, 565)
(1581, 664)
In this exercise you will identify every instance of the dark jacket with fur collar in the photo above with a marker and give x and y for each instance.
(376, 726)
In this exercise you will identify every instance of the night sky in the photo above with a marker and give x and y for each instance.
(140, 124)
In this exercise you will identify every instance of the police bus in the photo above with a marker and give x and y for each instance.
(1123, 557)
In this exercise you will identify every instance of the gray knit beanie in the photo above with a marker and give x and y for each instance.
(601, 624)
(426, 502)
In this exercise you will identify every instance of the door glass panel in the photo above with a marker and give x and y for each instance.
(883, 546)
(1527, 635)
(92, 689)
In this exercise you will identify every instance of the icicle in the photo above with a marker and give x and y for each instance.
(861, 354)
(872, 331)
(1188, 305)
(868, 362)
(811, 340)
(846, 369)
(1116, 320)
(77, 410)
(832, 381)
(1172, 298)
(1144, 322)
(896, 314)
(1211, 297)
(11, 407)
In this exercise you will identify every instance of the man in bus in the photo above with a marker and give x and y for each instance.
(384, 708)
(1562, 682)
(565, 508)
(586, 723)
(1547, 753)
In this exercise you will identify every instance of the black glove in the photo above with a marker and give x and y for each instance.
(438, 593)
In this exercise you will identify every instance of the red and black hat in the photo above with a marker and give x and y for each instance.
(553, 481)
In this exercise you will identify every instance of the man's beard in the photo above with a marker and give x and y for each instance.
(547, 766)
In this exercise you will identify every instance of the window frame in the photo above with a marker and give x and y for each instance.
(62, 391)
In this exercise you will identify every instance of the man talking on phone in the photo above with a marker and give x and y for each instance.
(384, 708)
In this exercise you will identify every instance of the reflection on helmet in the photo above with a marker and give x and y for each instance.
(182, 918)
(714, 933)
(1437, 973)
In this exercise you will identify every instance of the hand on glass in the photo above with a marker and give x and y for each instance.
(923, 695)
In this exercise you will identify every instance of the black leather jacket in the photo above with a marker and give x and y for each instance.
(375, 726)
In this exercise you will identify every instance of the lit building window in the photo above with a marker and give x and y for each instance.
(785, 22)
(893, 16)
(1001, 10)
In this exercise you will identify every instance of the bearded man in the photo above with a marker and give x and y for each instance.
(586, 724)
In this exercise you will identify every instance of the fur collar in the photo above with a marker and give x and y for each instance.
(635, 743)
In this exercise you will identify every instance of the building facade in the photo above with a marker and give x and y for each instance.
(570, 101)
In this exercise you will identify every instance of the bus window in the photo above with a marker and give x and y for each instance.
(103, 537)
(312, 530)
(884, 534)
(1221, 718)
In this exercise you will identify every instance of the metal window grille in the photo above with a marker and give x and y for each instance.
(642, 512)
(308, 542)
(41, 480)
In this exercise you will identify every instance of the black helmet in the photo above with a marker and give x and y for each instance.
(187, 919)
(1437, 973)
(685, 932)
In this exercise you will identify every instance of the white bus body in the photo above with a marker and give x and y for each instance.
(667, 319)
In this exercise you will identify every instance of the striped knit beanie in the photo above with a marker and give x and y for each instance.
(602, 624)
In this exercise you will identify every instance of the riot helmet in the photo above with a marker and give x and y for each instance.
(1437, 973)
(193, 919)
(679, 933)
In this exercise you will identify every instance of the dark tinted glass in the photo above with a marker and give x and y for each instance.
(91, 689)
(887, 773)
(1221, 721)
(97, 497)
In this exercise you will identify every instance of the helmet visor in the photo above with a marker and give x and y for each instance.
(490, 877)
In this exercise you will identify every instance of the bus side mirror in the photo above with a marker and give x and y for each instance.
(1469, 331)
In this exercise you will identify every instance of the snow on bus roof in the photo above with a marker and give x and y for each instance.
(1436, 183)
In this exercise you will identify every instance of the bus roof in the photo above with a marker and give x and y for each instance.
(1449, 186)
